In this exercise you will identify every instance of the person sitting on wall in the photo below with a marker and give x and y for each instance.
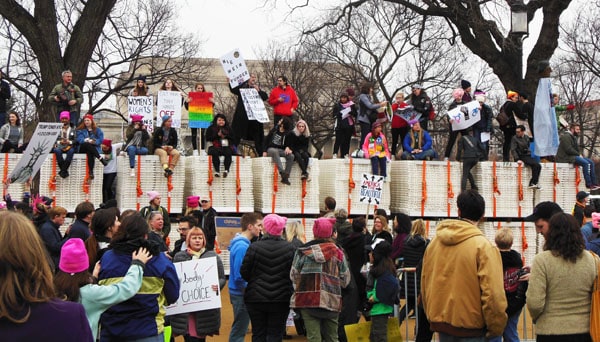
(418, 144)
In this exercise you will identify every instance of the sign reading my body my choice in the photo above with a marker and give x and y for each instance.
(196, 277)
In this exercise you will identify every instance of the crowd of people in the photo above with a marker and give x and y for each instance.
(101, 275)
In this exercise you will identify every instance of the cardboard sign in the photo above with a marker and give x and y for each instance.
(196, 277)
(169, 103)
(227, 228)
(39, 147)
(371, 187)
(465, 115)
(255, 107)
(235, 68)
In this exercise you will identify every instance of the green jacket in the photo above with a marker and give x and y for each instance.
(72, 92)
(378, 307)
(568, 149)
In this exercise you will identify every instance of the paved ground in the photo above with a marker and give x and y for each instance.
(227, 320)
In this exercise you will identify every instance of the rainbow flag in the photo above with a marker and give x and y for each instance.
(200, 109)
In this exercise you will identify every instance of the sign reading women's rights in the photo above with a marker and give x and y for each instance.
(197, 277)
(169, 103)
(235, 68)
(255, 107)
(141, 105)
(465, 115)
(37, 151)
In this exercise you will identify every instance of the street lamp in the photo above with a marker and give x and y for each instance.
(519, 26)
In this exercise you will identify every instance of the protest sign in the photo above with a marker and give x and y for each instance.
(196, 277)
(144, 106)
(255, 107)
(371, 187)
(465, 115)
(200, 109)
(235, 68)
(39, 147)
(169, 103)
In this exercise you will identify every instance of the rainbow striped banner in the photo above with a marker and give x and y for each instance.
(200, 109)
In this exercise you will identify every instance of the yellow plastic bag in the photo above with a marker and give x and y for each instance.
(361, 331)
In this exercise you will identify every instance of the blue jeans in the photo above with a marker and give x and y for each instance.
(510, 332)
(449, 338)
(378, 165)
(419, 156)
(64, 164)
(587, 167)
(241, 319)
(132, 151)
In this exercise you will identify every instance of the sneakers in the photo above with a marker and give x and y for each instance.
(91, 176)
(285, 178)
(594, 187)
(104, 161)
(217, 175)
(535, 186)
(195, 153)
(225, 173)
(304, 175)
(168, 172)
(132, 172)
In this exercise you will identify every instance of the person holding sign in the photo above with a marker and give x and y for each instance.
(345, 113)
(141, 88)
(284, 100)
(137, 141)
(199, 88)
(195, 326)
(244, 128)
(457, 95)
(220, 138)
(375, 147)
(165, 144)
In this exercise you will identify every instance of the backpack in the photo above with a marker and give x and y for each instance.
(502, 118)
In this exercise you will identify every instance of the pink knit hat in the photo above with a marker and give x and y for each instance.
(596, 220)
(64, 115)
(323, 227)
(153, 195)
(193, 201)
(458, 93)
(274, 224)
(73, 257)
(136, 118)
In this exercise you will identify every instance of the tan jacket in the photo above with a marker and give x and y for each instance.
(462, 283)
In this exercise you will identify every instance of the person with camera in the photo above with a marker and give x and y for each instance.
(137, 140)
(66, 96)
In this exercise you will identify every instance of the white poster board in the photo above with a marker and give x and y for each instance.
(235, 68)
(41, 143)
(371, 187)
(465, 115)
(169, 103)
(144, 106)
(254, 105)
(196, 277)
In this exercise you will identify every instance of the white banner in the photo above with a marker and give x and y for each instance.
(465, 115)
(235, 68)
(371, 187)
(196, 277)
(41, 143)
(169, 103)
(255, 107)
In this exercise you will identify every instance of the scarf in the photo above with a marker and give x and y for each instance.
(194, 254)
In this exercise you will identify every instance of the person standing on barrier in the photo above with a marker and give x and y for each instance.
(461, 281)
(414, 249)
(515, 284)
(519, 148)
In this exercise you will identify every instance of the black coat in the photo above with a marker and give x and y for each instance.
(240, 124)
(159, 134)
(414, 249)
(266, 268)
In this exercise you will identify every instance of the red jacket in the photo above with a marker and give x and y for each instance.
(290, 100)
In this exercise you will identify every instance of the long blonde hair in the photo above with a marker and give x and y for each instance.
(25, 275)
(294, 228)
(418, 228)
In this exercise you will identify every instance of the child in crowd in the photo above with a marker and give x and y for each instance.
(376, 148)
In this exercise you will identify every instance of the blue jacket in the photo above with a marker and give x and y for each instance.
(425, 144)
(98, 136)
(142, 315)
(237, 251)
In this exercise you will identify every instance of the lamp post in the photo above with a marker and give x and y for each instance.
(519, 26)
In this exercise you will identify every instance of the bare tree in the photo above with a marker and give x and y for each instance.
(97, 40)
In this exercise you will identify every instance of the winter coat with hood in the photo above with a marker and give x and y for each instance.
(414, 249)
(462, 283)
(319, 272)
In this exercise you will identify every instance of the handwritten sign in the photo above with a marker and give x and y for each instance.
(169, 103)
(255, 107)
(197, 277)
(465, 115)
(38, 149)
(200, 109)
(371, 187)
(144, 106)
(235, 68)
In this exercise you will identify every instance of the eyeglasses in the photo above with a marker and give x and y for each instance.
(204, 201)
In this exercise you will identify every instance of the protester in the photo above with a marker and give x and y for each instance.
(65, 144)
(154, 205)
(375, 148)
(381, 230)
(109, 152)
(199, 88)
(105, 223)
(138, 139)
(284, 100)
(195, 326)
(402, 226)
(140, 88)
(165, 145)
(75, 283)
(414, 249)
(89, 138)
(541, 215)
(519, 148)
(222, 143)
(29, 309)
(141, 317)
(51, 235)
(470, 152)
(266, 268)
(560, 285)
(344, 112)
(67, 96)
(275, 147)
(297, 142)
(400, 126)
(244, 128)
(367, 112)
